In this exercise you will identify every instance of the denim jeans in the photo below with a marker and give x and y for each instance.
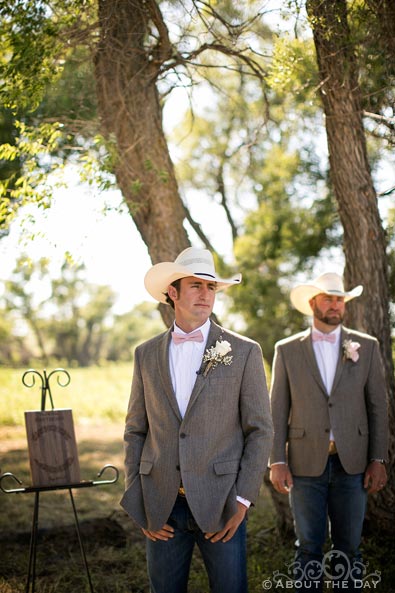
(169, 562)
(340, 498)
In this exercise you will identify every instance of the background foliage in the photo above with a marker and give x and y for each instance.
(252, 140)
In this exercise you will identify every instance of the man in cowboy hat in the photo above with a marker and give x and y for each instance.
(198, 432)
(329, 410)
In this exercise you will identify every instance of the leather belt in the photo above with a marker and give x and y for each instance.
(332, 448)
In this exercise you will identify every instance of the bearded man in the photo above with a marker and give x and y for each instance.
(328, 400)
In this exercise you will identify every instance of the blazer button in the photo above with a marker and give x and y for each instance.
(178, 468)
(182, 435)
(330, 405)
(327, 430)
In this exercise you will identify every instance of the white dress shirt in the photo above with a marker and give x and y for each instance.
(327, 355)
(185, 361)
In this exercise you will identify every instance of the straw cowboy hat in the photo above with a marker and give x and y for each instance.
(329, 283)
(190, 262)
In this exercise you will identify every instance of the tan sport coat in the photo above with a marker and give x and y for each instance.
(219, 449)
(303, 413)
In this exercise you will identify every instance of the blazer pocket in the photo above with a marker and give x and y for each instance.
(226, 467)
(145, 467)
(363, 429)
(295, 433)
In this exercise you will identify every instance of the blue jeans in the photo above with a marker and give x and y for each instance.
(169, 562)
(341, 498)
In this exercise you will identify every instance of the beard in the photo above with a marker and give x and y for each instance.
(331, 317)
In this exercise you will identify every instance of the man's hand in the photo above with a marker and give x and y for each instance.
(164, 534)
(375, 477)
(281, 477)
(231, 526)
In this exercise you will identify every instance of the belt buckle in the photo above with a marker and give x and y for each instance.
(332, 450)
(181, 491)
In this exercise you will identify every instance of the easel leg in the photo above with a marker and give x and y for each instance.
(77, 525)
(31, 575)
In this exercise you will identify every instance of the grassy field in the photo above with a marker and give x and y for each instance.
(114, 545)
(99, 393)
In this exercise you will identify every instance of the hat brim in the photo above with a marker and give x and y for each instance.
(301, 295)
(160, 276)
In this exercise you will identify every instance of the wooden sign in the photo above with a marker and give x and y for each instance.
(52, 447)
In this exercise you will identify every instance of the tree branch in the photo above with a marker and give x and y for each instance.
(197, 228)
(164, 47)
(224, 202)
(387, 121)
(188, 58)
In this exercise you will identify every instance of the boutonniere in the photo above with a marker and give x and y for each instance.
(217, 355)
(350, 350)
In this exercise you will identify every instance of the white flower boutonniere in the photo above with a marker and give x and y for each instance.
(350, 350)
(217, 355)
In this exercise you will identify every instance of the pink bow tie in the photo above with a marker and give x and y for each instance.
(195, 336)
(317, 337)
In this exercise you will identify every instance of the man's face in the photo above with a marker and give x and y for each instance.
(328, 309)
(193, 303)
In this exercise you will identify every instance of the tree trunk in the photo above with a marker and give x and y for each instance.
(364, 238)
(127, 65)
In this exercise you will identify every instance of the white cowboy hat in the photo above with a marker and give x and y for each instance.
(190, 262)
(329, 283)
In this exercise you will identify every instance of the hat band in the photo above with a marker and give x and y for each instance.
(203, 274)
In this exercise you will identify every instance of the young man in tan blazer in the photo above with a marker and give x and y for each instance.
(198, 433)
(328, 399)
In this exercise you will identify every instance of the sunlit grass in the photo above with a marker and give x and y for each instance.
(95, 393)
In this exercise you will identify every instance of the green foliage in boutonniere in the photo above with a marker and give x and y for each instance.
(217, 355)
(350, 350)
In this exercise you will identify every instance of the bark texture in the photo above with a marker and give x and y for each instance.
(127, 65)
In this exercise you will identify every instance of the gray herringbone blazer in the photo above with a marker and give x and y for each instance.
(219, 449)
(303, 414)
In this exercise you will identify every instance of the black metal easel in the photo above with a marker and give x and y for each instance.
(45, 389)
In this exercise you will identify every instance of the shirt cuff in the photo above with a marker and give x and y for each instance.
(244, 501)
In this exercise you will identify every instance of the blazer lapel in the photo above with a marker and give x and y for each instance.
(340, 361)
(214, 334)
(164, 372)
(307, 347)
